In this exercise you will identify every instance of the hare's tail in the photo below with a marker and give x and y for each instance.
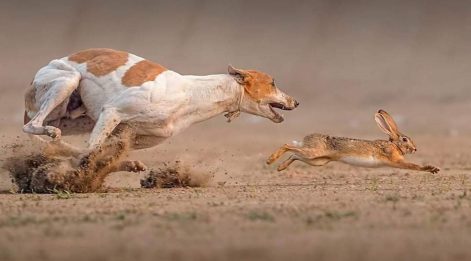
(298, 143)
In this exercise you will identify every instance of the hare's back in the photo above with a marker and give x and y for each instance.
(333, 143)
(315, 140)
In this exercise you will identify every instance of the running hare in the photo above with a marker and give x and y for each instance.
(318, 149)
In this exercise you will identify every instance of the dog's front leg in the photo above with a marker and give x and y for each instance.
(106, 123)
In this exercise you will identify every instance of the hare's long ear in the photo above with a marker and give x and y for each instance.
(387, 124)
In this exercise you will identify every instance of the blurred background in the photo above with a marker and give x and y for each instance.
(342, 60)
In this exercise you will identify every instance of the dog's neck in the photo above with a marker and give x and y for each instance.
(212, 95)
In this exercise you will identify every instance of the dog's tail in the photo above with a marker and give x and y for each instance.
(30, 101)
(26, 118)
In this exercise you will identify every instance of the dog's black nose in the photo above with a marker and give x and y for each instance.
(296, 103)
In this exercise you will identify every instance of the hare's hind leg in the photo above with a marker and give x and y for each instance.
(288, 162)
(319, 161)
(287, 147)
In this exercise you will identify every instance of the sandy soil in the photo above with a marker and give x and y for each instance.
(250, 211)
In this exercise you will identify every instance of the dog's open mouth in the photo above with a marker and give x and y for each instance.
(278, 106)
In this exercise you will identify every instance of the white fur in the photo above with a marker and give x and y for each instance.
(157, 109)
(367, 161)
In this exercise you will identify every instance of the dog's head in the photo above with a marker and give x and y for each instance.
(261, 95)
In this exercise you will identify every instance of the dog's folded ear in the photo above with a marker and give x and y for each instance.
(239, 75)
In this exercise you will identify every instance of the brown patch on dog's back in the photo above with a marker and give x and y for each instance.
(100, 61)
(142, 72)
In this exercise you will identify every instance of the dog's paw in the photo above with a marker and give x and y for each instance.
(53, 132)
(133, 166)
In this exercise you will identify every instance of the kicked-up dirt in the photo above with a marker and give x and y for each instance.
(43, 171)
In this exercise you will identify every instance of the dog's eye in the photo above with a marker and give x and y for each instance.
(404, 139)
(273, 83)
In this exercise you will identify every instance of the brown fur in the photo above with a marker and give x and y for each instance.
(319, 149)
(258, 85)
(142, 72)
(335, 147)
(100, 61)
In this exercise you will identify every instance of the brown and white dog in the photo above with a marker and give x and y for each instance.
(114, 87)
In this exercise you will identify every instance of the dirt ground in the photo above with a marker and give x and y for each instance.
(342, 60)
(250, 211)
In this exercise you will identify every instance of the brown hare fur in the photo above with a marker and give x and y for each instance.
(319, 149)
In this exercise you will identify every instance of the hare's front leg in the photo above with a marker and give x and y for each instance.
(413, 166)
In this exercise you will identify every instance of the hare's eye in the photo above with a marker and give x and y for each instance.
(404, 139)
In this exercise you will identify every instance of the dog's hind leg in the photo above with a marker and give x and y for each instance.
(53, 84)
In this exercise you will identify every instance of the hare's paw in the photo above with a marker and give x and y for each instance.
(281, 167)
(431, 169)
(271, 159)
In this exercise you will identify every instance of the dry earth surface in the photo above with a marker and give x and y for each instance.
(249, 211)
